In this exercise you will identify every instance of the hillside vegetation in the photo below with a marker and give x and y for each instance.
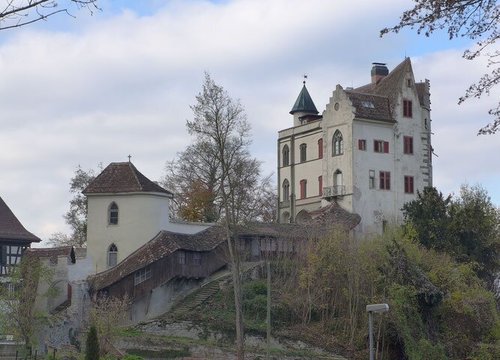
(436, 273)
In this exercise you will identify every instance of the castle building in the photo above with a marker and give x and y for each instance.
(369, 151)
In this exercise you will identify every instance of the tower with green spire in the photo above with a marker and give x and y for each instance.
(304, 109)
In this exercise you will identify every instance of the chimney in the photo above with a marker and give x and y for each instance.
(379, 71)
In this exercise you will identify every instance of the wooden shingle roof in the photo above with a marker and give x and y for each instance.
(11, 229)
(163, 244)
(122, 177)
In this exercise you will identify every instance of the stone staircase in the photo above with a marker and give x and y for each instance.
(205, 291)
(199, 295)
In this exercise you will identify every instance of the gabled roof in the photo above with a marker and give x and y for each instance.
(11, 229)
(389, 86)
(370, 106)
(332, 214)
(304, 103)
(163, 244)
(122, 177)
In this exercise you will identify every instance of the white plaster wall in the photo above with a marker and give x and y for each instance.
(141, 217)
(339, 117)
(374, 205)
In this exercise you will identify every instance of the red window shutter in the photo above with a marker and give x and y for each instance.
(320, 148)
(303, 192)
(386, 147)
(320, 184)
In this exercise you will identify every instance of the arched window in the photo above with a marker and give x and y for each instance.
(286, 190)
(337, 144)
(320, 149)
(113, 214)
(285, 154)
(303, 152)
(112, 255)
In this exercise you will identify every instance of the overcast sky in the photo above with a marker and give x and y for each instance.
(94, 89)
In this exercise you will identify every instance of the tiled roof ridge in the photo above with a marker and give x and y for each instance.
(124, 268)
(123, 177)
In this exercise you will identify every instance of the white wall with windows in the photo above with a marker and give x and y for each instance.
(139, 217)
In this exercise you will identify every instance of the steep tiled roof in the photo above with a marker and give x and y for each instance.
(122, 177)
(369, 106)
(304, 103)
(80, 253)
(390, 84)
(50, 252)
(163, 244)
(11, 228)
(333, 215)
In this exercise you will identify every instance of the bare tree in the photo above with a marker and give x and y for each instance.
(17, 13)
(196, 177)
(477, 20)
(221, 122)
(106, 314)
(76, 217)
(17, 298)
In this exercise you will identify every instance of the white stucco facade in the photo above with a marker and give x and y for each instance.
(383, 159)
(141, 216)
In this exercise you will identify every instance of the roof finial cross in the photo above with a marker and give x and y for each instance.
(129, 158)
(305, 77)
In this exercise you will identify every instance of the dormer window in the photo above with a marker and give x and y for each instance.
(112, 255)
(113, 214)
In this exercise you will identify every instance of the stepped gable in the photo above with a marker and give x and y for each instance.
(163, 244)
(11, 228)
(369, 106)
(331, 215)
(122, 177)
(304, 103)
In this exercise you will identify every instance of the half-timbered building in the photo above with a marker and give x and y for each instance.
(14, 240)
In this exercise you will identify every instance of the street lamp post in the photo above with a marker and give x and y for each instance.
(374, 308)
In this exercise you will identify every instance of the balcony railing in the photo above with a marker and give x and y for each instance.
(332, 191)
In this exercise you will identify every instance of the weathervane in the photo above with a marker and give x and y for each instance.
(305, 77)
(129, 158)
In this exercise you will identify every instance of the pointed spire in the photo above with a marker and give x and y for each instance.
(304, 102)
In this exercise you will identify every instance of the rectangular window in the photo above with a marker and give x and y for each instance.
(303, 189)
(303, 152)
(196, 259)
(408, 145)
(409, 184)
(371, 179)
(320, 149)
(380, 146)
(362, 144)
(181, 257)
(320, 185)
(385, 180)
(142, 275)
(407, 108)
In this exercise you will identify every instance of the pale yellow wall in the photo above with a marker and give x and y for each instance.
(141, 217)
